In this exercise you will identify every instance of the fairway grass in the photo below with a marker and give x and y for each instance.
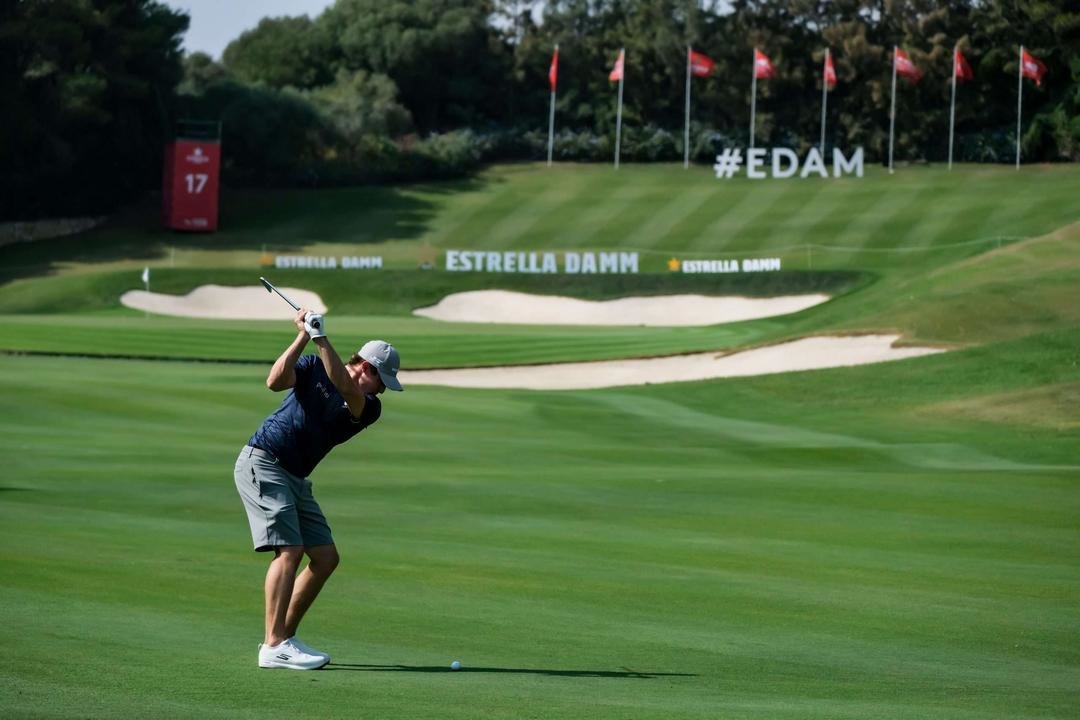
(890, 541)
(703, 550)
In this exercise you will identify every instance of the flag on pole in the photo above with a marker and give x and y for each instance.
(762, 69)
(830, 71)
(1031, 67)
(892, 103)
(701, 65)
(553, 80)
(146, 276)
(828, 82)
(904, 67)
(762, 65)
(961, 73)
(962, 70)
(616, 74)
(697, 65)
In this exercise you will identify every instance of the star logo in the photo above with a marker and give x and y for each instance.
(673, 265)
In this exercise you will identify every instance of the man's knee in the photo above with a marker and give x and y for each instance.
(324, 558)
(289, 555)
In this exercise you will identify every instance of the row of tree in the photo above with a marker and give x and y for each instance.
(454, 67)
(404, 89)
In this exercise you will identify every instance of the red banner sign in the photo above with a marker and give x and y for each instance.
(190, 188)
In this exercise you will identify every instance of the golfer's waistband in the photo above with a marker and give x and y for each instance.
(259, 452)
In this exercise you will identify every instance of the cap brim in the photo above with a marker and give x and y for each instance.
(391, 382)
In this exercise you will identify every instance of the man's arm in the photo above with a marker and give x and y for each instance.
(339, 375)
(283, 374)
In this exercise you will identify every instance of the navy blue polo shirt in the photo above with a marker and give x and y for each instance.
(311, 420)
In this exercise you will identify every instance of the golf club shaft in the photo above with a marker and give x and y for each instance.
(269, 286)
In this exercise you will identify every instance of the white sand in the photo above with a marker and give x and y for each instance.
(226, 303)
(503, 306)
(805, 354)
(254, 303)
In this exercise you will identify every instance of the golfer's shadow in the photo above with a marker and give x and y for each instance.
(623, 673)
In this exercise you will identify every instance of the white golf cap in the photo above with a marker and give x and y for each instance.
(385, 358)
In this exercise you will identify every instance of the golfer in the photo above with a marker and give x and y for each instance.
(328, 402)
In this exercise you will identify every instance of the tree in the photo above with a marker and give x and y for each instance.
(360, 105)
(200, 72)
(86, 91)
(1051, 31)
(282, 52)
(444, 56)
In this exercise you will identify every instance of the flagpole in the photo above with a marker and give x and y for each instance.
(753, 96)
(686, 131)
(551, 116)
(824, 100)
(146, 281)
(618, 113)
(952, 106)
(551, 127)
(892, 111)
(1019, 101)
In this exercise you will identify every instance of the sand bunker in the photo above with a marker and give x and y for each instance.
(805, 354)
(502, 306)
(226, 303)
(254, 303)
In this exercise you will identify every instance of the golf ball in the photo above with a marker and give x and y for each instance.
(456, 665)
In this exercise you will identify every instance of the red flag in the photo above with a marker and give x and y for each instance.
(701, 65)
(963, 70)
(553, 69)
(762, 65)
(830, 72)
(616, 73)
(1033, 68)
(903, 65)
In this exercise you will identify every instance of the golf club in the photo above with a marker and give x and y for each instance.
(271, 289)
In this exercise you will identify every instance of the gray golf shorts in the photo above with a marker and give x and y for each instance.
(280, 507)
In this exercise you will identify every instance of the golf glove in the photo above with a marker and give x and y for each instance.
(315, 325)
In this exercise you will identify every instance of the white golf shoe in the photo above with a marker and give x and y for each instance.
(287, 655)
(308, 649)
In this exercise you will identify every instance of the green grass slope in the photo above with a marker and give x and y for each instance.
(904, 253)
(899, 222)
(1006, 293)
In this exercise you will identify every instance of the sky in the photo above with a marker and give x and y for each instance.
(215, 23)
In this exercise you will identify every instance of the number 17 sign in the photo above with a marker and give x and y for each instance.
(190, 187)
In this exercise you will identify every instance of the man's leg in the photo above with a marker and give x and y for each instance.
(280, 579)
(324, 558)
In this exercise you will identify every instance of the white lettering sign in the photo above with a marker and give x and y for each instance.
(785, 163)
(511, 261)
(725, 266)
(322, 262)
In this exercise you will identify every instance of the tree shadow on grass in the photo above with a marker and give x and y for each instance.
(277, 220)
(623, 673)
